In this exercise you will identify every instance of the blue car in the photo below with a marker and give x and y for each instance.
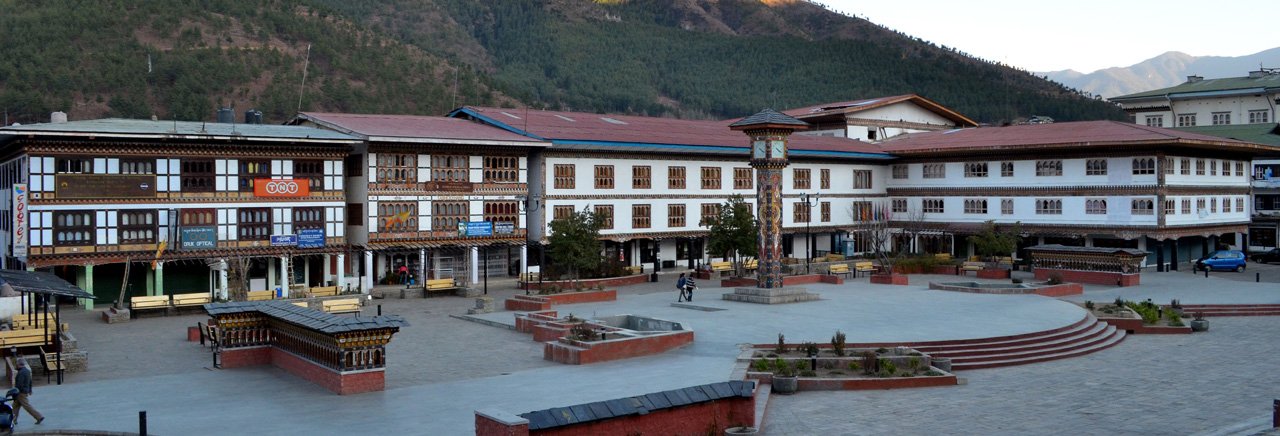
(1222, 260)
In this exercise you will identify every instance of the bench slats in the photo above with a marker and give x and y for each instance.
(324, 291)
(347, 305)
(195, 299)
(261, 295)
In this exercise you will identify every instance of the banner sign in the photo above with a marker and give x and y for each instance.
(104, 186)
(311, 238)
(475, 228)
(504, 228)
(449, 186)
(196, 238)
(281, 187)
(19, 220)
(284, 240)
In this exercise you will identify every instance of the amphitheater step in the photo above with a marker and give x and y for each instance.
(1083, 341)
(1110, 340)
(1076, 337)
(1036, 338)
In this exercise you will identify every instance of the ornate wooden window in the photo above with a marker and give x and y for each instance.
(196, 217)
(398, 217)
(801, 212)
(933, 205)
(564, 177)
(1144, 165)
(975, 169)
(1006, 206)
(74, 165)
(1168, 165)
(1226, 204)
(641, 177)
(450, 168)
(501, 169)
(825, 210)
(1201, 205)
(861, 179)
(1186, 206)
(561, 212)
(1239, 204)
(709, 212)
(935, 171)
(254, 223)
(1213, 167)
(1048, 168)
(71, 228)
(137, 166)
(445, 215)
(605, 214)
(305, 218)
(676, 178)
(1226, 168)
(1006, 169)
(1095, 206)
(800, 178)
(1184, 166)
(604, 177)
(824, 178)
(312, 170)
(1186, 120)
(901, 171)
(1169, 207)
(251, 170)
(742, 178)
(1048, 206)
(1239, 169)
(502, 212)
(1220, 118)
(640, 218)
(1095, 167)
(710, 177)
(397, 169)
(138, 226)
(1199, 167)
(975, 206)
(197, 176)
(1143, 206)
(675, 216)
(898, 205)
(863, 211)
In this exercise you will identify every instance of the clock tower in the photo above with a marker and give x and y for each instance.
(769, 131)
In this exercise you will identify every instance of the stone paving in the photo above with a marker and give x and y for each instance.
(442, 368)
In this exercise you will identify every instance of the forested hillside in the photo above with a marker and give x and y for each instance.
(686, 58)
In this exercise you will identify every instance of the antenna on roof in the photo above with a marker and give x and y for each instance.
(302, 88)
(453, 104)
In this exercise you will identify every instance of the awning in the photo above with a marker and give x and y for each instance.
(37, 282)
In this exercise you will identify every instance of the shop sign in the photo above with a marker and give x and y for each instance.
(198, 237)
(284, 240)
(311, 238)
(281, 187)
(475, 228)
(104, 186)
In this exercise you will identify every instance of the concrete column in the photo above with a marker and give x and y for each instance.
(222, 283)
(271, 276)
(159, 273)
(341, 274)
(366, 281)
(475, 265)
(149, 282)
(1088, 241)
(524, 259)
(422, 266)
(88, 286)
(1142, 245)
(284, 276)
(327, 271)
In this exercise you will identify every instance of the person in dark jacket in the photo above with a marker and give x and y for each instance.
(680, 287)
(23, 383)
(689, 286)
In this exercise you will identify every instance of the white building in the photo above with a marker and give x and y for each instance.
(877, 119)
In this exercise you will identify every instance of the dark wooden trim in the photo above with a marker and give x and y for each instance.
(1066, 191)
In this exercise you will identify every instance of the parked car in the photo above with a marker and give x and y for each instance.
(1272, 255)
(1222, 260)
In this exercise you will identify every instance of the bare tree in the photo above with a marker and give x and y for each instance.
(889, 235)
(238, 278)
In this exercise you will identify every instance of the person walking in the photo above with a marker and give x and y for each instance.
(680, 287)
(689, 286)
(23, 383)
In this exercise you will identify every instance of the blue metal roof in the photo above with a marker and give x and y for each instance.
(130, 128)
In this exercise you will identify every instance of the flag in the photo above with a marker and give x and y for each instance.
(164, 243)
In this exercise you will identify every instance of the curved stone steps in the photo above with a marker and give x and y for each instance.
(1085, 324)
(1077, 336)
(1110, 341)
(1015, 354)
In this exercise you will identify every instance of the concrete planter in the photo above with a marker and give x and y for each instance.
(741, 431)
(889, 279)
(785, 385)
(1200, 325)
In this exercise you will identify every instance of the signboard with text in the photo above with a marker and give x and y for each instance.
(475, 228)
(198, 237)
(281, 187)
(19, 220)
(104, 186)
(504, 228)
(311, 238)
(284, 240)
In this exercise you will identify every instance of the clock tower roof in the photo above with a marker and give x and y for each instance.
(769, 118)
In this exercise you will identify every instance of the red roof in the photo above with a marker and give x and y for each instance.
(414, 126)
(1055, 135)
(582, 126)
(846, 107)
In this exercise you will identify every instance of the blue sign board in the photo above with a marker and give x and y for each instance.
(311, 238)
(504, 228)
(196, 238)
(284, 240)
(475, 228)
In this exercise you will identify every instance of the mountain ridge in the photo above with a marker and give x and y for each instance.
(1162, 71)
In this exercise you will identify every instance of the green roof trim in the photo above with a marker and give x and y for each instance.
(1264, 83)
(1268, 133)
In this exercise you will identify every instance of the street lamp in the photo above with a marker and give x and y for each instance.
(809, 200)
(528, 204)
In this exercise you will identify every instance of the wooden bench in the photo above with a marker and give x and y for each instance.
(633, 270)
(324, 291)
(149, 302)
(833, 257)
(942, 257)
(303, 304)
(440, 285)
(262, 295)
(864, 266)
(25, 338)
(721, 267)
(52, 363)
(38, 325)
(345, 305)
(972, 266)
(529, 277)
(751, 264)
(194, 299)
(839, 269)
(1005, 262)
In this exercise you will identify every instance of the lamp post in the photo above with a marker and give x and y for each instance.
(528, 204)
(809, 200)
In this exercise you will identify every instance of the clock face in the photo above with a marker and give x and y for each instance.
(759, 150)
(779, 149)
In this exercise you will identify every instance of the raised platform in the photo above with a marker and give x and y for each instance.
(1059, 290)
(770, 296)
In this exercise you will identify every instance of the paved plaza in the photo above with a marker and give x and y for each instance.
(441, 368)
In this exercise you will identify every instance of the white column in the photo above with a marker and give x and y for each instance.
(422, 266)
(341, 274)
(475, 265)
(524, 260)
(306, 270)
(1142, 245)
(327, 269)
(284, 276)
(222, 283)
(366, 281)
(271, 276)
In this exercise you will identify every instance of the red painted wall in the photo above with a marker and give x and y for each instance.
(602, 351)
(711, 417)
(609, 282)
(342, 384)
(248, 356)
(1093, 277)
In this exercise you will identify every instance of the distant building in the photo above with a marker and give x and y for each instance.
(877, 119)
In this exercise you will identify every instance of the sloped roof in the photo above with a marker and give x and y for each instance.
(309, 318)
(416, 128)
(1266, 133)
(580, 130)
(195, 130)
(769, 116)
(854, 106)
(39, 282)
(1209, 87)
(1057, 136)
(637, 405)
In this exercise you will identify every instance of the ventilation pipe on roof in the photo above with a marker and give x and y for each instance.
(226, 115)
(58, 117)
(1194, 79)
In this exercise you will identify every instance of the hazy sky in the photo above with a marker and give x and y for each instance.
(1084, 35)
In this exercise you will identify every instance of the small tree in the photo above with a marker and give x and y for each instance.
(574, 242)
(238, 278)
(994, 242)
(734, 231)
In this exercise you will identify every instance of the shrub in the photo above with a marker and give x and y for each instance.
(887, 366)
(810, 349)
(808, 373)
(835, 373)
(582, 332)
(1174, 319)
(1119, 302)
(913, 363)
(933, 373)
(781, 348)
(1149, 313)
(870, 364)
(837, 343)
(1175, 304)
(1088, 304)
(907, 374)
(783, 368)
(760, 365)
(854, 366)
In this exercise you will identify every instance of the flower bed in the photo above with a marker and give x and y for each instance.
(544, 302)
(614, 338)
(1126, 317)
(858, 369)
